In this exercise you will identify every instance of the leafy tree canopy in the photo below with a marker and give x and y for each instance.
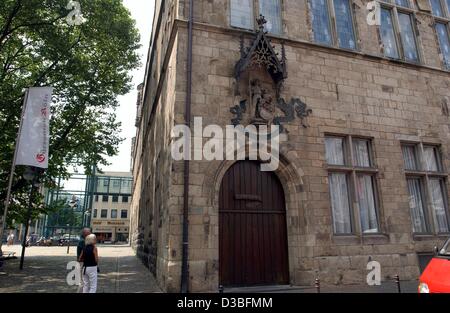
(88, 66)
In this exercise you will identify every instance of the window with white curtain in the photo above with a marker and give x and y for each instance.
(397, 31)
(244, 13)
(340, 203)
(271, 10)
(361, 152)
(438, 202)
(334, 150)
(417, 205)
(336, 15)
(441, 15)
(365, 187)
(351, 167)
(410, 157)
(426, 181)
(430, 155)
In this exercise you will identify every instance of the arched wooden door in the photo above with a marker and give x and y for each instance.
(252, 228)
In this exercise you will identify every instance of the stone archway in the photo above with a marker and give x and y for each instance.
(290, 176)
(252, 227)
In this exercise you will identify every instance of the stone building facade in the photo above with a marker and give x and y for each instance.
(363, 162)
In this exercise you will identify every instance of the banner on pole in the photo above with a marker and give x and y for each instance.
(33, 142)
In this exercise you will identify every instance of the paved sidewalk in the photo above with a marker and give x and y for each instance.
(385, 287)
(45, 271)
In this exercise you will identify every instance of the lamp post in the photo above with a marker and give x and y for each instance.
(30, 175)
(72, 204)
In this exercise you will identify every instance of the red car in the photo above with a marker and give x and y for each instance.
(436, 277)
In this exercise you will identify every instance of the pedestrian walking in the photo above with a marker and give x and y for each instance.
(89, 256)
(10, 239)
(81, 244)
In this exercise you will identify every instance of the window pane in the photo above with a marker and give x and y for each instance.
(387, 34)
(344, 24)
(448, 8)
(439, 206)
(334, 150)
(409, 157)
(271, 10)
(416, 204)
(320, 21)
(104, 213)
(436, 8)
(366, 200)
(431, 161)
(403, 3)
(408, 37)
(242, 13)
(340, 203)
(124, 214)
(444, 42)
(361, 152)
(113, 213)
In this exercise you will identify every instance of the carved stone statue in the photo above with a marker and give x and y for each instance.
(267, 107)
(257, 94)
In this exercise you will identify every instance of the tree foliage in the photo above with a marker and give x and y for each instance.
(88, 66)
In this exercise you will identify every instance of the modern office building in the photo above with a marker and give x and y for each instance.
(110, 206)
(365, 155)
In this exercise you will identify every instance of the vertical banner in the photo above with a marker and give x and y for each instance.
(33, 143)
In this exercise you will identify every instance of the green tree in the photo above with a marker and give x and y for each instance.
(88, 66)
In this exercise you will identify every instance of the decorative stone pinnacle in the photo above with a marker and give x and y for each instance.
(261, 20)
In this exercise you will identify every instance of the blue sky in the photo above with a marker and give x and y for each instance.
(142, 12)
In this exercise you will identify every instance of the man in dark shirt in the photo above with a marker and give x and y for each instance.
(84, 233)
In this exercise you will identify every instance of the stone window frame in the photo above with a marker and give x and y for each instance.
(425, 176)
(442, 20)
(395, 9)
(256, 12)
(332, 20)
(351, 170)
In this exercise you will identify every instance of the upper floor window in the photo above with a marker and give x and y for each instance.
(441, 13)
(113, 213)
(397, 31)
(244, 13)
(337, 15)
(352, 180)
(426, 182)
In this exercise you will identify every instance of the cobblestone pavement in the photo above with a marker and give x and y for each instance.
(45, 271)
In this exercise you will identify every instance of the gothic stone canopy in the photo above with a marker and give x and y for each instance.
(262, 102)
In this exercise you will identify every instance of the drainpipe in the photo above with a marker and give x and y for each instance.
(187, 117)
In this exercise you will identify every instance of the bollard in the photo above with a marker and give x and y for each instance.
(220, 289)
(317, 285)
(397, 281)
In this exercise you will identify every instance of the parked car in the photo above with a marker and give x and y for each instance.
(436, 277)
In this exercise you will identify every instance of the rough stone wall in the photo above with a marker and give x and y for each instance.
(360, 94)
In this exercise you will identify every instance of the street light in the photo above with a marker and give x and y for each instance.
(72, 203)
